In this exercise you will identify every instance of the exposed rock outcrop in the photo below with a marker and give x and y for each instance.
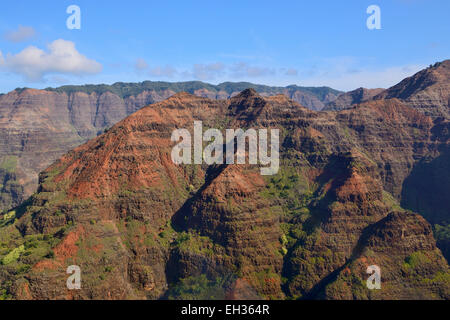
(39, 126)
(348, 99)
(427, 91)
(403, 247)
(138, 225)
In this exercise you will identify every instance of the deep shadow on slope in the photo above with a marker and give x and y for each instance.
(427, 189)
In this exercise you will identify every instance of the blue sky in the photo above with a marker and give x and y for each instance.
(308, 43)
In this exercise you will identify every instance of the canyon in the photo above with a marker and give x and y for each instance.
(362, 186)
(39, 126)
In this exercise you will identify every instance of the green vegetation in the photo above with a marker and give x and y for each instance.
(263, 278)
(442, 233)
(441, 279)
(442, 236)
(8, 218)
(167, 235)
(197, 244)
(9, 163)
(416, 260)
(200, 288)
(19, 253)
(348, 286)
(291, 188)
(13, 256)
(391, 202)
(124, 90)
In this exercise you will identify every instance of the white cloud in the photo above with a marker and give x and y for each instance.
(367, 78)
(22, 33)
(208, 71)
(62, 57)
(344, 73)
(140, 65)
(244, 70)
(239, 71)
(290, 72)
(59, 80)
(164, 72)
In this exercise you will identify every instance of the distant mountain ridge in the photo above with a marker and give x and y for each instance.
(38, 126)
(427, 91)
(313, 98)
(350, 98)
(142, 227)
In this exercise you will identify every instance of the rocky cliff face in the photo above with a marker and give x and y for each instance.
(427, 91)
(348, 99)
(140, 226)
(400, 244)
(38, 126)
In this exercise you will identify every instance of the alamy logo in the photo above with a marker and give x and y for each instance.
(74, 20)
(74, 281)
(235, 145)
(374, 20)
(374, 281)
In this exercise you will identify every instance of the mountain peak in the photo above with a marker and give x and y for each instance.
(182, 94)
(444, 65)
(428, 90)
(346, 100)
(246, 105)
(247, 93)
(120, 200)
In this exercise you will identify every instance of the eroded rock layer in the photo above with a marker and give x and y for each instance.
(141, 227)
(39, 126)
